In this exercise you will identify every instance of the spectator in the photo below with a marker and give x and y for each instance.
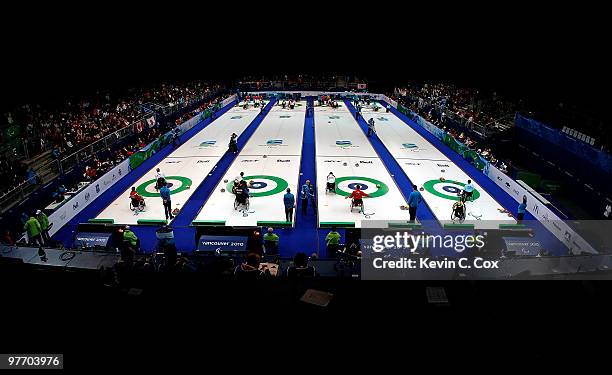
(300, 267)
(24, 218)
(7, 238)
(32, 177)
(90, 173)
(56, 152)
(250, 269)
(175, 137)
(58, 195)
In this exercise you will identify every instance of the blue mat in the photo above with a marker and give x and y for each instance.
(306, 237)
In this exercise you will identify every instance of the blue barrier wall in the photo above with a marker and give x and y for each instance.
(584, 170)
(579, 149)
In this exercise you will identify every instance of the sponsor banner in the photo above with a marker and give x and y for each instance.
(222, 244)
(149, 150)
(431, 128)
(87, 239)
(560, 229)
(188, 124)
(185, 126)
(77, 203)
(388, 100)
(228, 100)
(523, 246)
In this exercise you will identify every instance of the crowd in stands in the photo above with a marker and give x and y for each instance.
(94, 165)
(470, 106)
(328, 81)
(64, 129)
(37, 223)
(488, 111)
(211, 104)
(438, 102)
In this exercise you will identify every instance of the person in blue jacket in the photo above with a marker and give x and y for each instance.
(289, 202)
(413, 202)
(522, 209)
(306, 193)
(164, 192)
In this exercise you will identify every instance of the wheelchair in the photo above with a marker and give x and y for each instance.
(459, 211)
(137, 206)
(330, 188)
(464, 196)
(160, 182)
(354, 204)
(241, 201)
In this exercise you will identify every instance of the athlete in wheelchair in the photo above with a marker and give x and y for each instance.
(241, 191)
(160, 179)
(331, 183)
(357, 198)
(468, 192)
(137, 202)
(459, 211)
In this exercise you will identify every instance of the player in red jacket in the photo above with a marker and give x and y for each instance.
(357, 195)
(137, 199)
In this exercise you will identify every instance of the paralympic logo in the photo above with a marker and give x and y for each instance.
(208, 143)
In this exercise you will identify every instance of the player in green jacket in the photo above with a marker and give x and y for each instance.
(44, 224)
(33, 227)
(271, 241)
(332, 240)
(129, 236)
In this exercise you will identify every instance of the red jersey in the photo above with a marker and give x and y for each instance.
(134, 194)
(358, 194)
